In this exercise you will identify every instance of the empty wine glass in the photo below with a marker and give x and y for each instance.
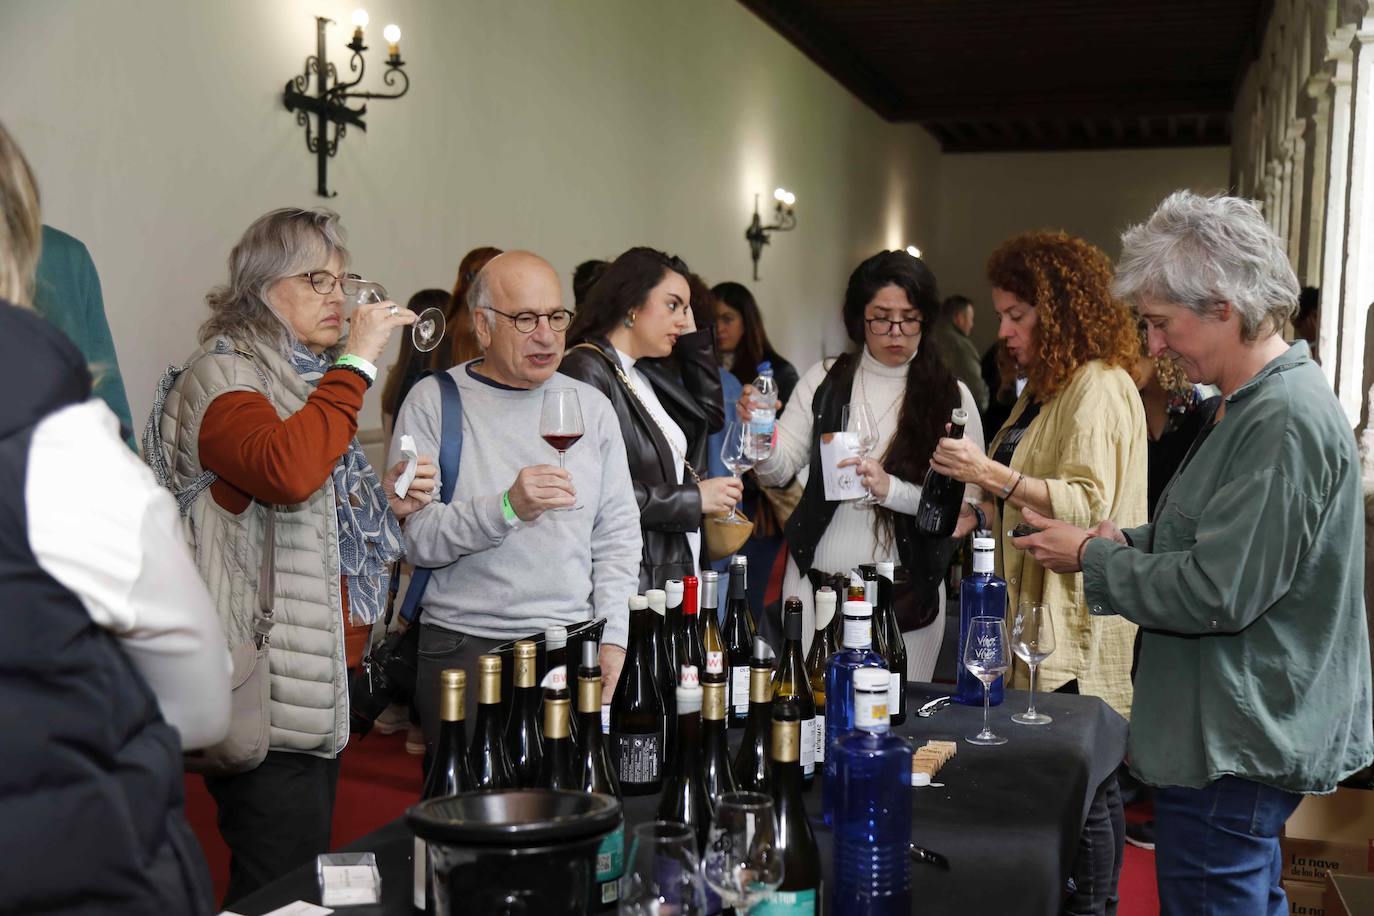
(857, 419)
(737, 454)
(1032, 639)
(664, 874)
(428, 328)
(986, 657)
(560, 424)
(743, 863)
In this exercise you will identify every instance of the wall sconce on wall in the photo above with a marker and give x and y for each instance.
(784, 221)
(913, 251)
(329, 104)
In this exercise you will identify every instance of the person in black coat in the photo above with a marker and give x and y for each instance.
(743, 342)
(635, 340)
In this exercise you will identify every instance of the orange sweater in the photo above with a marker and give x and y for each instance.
(256, 454)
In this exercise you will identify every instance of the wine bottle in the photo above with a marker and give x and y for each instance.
(942, 497)
(983, 593)
(881, 636)
(524, 738)
(715, 750)
(790, 684)
(872, 807)
(712, 642)
(556, 765)
(885, 619)
(685, 797)
(839, 698)
(556, 656)
(664, 674)
(739, 641)
(672, 623)
(592, 772)
(752, 771)
(800, 891)
(690, 652)
(637, 730)
(856, 591)
(822, 647)
(487, 757)
(448, 772)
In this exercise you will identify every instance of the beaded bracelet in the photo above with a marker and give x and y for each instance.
(350, 361)
(367, 379)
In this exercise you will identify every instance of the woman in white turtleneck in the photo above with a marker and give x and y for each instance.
(890, 298)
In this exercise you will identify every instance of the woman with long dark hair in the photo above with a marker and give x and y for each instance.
(890, 300)
(742, 343)
(644, 352)
(410, 364)
(462, 339)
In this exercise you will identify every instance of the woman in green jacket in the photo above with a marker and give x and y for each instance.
(1254, 678)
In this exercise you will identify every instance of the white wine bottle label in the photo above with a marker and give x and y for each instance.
(787, 903)
(605, 718)
(421, 867)
(808, 746)
(639, 758)
(739, 688)
(820, 738)
(894, 692)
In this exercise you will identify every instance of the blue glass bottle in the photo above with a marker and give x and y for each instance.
(982, 594)
(857, 652)
(872, 808)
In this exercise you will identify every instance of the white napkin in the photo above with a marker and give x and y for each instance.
(408, 475)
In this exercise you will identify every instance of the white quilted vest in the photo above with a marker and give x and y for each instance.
(306, 655)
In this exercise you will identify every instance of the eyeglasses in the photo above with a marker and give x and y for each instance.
(909, 327)
(323, 282)
(526, 322)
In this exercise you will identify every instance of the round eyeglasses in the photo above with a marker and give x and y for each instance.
(526, 322)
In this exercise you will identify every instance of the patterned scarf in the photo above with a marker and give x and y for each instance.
(369, 535)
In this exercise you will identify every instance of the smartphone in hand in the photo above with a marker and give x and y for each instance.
(1023, 530)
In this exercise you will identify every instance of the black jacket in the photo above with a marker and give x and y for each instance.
(688, 386)
(92, 816)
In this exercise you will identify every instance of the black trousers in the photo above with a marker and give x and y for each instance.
(439, 649)
(274, 818)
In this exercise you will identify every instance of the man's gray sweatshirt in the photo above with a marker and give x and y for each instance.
(503, 580)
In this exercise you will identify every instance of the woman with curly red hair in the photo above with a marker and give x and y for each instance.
(1074, 446)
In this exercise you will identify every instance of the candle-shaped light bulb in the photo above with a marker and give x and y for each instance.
(779, 195)
(392, 34)
(360, 19)
(913, 251)
(789, 198)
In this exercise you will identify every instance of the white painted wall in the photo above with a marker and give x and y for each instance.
(986, 198)
(574, 129)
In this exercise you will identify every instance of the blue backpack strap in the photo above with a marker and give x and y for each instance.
(450, 451)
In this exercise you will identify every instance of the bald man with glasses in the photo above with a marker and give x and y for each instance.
(523, 544)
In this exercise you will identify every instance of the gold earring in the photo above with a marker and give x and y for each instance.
(630, 320)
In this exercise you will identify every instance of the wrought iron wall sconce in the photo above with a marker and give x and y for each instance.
(784, 220)
(329, 103)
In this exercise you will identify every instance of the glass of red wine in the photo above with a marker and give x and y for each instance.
(560, 424)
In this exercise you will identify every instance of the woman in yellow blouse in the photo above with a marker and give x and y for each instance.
(1073, 447)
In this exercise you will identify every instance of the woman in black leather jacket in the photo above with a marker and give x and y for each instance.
(636, 341)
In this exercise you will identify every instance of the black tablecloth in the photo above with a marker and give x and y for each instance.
(1007, 818)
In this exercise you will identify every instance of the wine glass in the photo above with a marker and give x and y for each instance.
(857, 418)
(664, 874)
(560, 424)
(428, 328)
(737, 454)
(1032, 639)
(986, 658)
(743, 863)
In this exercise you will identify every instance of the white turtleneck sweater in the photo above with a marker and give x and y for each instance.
(849, 539)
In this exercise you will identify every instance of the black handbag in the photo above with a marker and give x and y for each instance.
(387, 674)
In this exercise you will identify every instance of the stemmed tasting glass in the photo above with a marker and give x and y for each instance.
(428, 328)
(738, 455)
(857, 418)
(986, 658)
(560, 424)
(743, 863)
(1032, 639)
(664, 874)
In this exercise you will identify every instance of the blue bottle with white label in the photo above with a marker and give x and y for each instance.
(982, 594)
(856, 652)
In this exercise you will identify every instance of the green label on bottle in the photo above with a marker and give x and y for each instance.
(610, 856)
(787, 903)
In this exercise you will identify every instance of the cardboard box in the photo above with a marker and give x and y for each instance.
(1349, 895)
(1330, 833)
(1305, 899)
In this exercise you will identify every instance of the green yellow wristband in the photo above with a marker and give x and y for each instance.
(507, 510)
(349, 361)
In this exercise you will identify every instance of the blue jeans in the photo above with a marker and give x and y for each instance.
(1217, 848)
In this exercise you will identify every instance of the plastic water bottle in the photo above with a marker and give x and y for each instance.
(857, 653)
(982, 594)
(872, 808)
(763, 414)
